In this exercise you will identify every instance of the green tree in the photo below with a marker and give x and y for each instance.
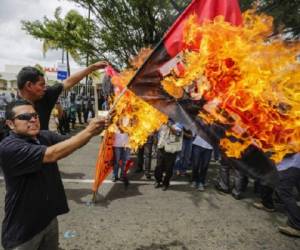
(123, 27)
(68, 33)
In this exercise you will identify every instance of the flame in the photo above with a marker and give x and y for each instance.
(251, 83)
(141, 119)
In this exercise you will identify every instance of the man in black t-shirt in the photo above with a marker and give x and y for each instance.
(34, 191)
(32, 87)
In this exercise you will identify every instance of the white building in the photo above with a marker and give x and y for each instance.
(8, 77)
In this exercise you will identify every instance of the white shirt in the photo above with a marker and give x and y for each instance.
(199, 141)
(168, 141)
(289, 162)
(121, 140)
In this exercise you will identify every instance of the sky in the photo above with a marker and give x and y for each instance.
(18, 48)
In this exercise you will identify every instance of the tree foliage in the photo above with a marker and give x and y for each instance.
(68, 33)
(118, 29)
(126, 26)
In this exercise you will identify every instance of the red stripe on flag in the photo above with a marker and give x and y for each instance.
(204, 10)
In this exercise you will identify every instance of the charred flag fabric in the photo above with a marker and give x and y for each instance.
(185, 105)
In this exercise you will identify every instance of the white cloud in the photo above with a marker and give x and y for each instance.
(16, 47)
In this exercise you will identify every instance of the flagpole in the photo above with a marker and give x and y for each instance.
(94, 197)
(117, 100)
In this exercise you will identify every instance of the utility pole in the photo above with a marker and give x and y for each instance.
(62, 56)
(88, 40)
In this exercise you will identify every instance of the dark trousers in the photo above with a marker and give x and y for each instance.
(144, 158)
(63, 125)
(184, 156)
(266, 195)
(47, 239)
(288, 179)
(86, 114)
(200, 161)
(240, 182)
(165, 163)
(79, 114)
(240, 179)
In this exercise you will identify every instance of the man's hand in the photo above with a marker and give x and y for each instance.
(97, 125)
(78, 76)
(98, 65)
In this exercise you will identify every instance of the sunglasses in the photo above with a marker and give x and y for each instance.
(26, 116)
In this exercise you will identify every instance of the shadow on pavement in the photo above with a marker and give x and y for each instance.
(167, 246)
(72, 175)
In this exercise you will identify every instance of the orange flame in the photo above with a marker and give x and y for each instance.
(251, 83)
(142, 118)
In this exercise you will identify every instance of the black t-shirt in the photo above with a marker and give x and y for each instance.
(45, 105)
(34, 190)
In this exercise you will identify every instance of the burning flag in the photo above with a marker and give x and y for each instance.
(196, 69)
(250, 84)
(141, 119)
(147, 82)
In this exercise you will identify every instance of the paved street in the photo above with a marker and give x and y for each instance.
(143, 218)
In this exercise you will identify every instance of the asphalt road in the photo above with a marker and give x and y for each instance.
(144, 218)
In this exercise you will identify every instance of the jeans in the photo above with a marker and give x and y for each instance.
(165, 163)
(216, 153)
(200, 161)
(288, 179)
(121, 155)
(184, 156)
(47, 239)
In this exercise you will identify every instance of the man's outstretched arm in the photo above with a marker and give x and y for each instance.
(78, 76)
(65, 148)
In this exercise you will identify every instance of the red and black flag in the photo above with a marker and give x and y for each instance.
(147, 81)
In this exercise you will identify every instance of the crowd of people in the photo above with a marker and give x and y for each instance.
(178, 150)
(69, 110)
(29, 153)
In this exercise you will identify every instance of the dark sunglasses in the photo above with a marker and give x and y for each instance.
(26, 116)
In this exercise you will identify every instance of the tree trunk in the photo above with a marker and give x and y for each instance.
(68, 63)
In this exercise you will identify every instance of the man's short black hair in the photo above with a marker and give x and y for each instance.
(28, 73)
(9, 113)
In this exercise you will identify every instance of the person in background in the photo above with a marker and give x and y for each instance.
(121, 152)
(169, 144)
(144, 157)
(32, 87)
(240, 180)
(85, 110)
(72, 114)
(184, 156)
(201, 154)
(64, 126)
(91, 107)
(79, 108)
(54, 120)
(289, 178)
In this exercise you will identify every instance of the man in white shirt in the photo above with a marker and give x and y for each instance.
(169, 143)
